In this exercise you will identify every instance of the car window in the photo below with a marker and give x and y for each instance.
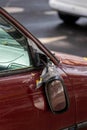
(14, 52)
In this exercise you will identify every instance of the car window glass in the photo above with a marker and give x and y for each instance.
(14, 52)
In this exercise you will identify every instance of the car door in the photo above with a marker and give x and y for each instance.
(22, 105)
(79, 78)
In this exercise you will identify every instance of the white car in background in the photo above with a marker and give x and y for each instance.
(69, 10)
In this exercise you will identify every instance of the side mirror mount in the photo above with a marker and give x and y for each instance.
(40, 59)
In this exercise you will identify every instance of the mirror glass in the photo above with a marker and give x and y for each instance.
(56, 96)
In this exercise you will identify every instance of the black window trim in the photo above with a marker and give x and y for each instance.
(20, 71)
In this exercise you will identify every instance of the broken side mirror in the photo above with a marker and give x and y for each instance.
(56, 95)
(55, 89)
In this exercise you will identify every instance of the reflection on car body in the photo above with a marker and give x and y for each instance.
(37, 89)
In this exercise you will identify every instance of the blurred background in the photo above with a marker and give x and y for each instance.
(45, 24)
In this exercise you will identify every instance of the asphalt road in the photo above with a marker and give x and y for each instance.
(45, 24)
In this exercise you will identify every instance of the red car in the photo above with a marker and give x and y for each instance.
(39, 91)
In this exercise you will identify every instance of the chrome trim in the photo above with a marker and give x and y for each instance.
(82, 125)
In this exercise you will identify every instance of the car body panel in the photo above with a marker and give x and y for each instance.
(73, 7)
(76, 2)
(72, 60)
(23, 106)
(76, 69)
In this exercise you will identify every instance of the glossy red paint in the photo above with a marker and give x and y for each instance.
(76, 69)
(23, 107)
